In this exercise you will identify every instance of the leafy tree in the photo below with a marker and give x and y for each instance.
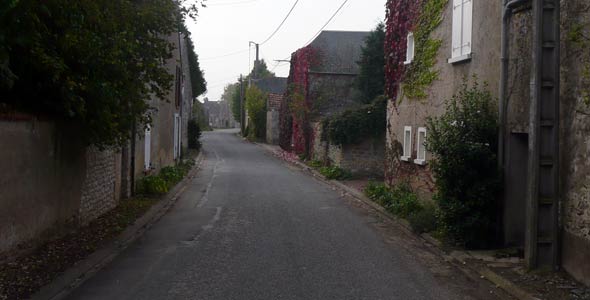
(91, 63)
(198, 83)
(256, 106)
(371, 79)
(231, 94)
(262, 71)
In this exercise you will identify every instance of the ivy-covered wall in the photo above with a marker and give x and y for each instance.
(419, 90)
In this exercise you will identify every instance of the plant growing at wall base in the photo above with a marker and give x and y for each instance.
(464, 142)
(194, 134)
(335, 173)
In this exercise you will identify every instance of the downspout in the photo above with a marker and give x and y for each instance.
(509, 5)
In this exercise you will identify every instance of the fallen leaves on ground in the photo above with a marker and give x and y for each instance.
(22, 277)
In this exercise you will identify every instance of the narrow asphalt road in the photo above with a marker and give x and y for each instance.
(251, 227)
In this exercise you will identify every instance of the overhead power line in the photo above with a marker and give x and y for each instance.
(224, 55)
(280, 25)
(327, 23)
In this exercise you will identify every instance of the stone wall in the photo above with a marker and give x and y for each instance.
(363, 159)
(272, 118)
(101, 190)
(50, 181)
(575, 141)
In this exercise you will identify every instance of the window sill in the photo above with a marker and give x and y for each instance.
(420, 162)
(406, 158)
(460, 59)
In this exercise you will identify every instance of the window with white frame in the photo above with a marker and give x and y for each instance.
(410, 50)
(407, 144)
(421, 147)
(462, 29)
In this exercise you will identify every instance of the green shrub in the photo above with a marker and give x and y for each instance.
(152, 185)
(335, 173)
(354, 125)
(169, 176)
(378, 192)
(172, 175)
(405, 201)
(424, 219)
(399, 200)
(464, 142)
(316, 164)
(194, 134)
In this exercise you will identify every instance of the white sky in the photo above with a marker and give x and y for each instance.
(226, 26)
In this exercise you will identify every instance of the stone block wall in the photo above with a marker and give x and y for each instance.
(363, 159)
(101, 190)
(366, 158)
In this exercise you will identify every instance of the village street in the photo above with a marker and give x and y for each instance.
(251, 227)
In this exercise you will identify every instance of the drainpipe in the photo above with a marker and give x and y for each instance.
(509, 5)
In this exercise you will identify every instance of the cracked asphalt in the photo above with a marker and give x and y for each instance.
(249, 226)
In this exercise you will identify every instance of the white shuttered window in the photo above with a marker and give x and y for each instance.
(462, 29)
(407, 155)
(421, 147)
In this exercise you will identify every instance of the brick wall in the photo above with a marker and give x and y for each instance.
(100, 190)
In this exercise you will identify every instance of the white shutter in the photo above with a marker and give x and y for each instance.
(407, 143)
(147, 160)
(410, 50)
(457, 24)
(467, 27)
(421, 144)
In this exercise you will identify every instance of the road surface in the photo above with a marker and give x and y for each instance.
(251, 227)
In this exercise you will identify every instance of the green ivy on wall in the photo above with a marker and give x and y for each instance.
(578, 35)
(354, 125)
(420, 73)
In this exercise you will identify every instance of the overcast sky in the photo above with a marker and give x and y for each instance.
(226, 26)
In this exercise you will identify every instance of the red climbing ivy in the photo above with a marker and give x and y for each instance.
(399, 20)
(296, 133)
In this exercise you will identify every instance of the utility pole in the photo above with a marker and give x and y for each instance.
(242, 109)
(256, 63)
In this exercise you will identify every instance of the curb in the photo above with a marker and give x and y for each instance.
(456, 260)
(75, 276)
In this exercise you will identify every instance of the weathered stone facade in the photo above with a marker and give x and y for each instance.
(272, 118)
(102, 186)
(363, 159)
(485, 64)
(219, 114)
(574, 124)
(574, 138)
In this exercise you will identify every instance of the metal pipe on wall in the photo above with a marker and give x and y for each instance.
(503, 103)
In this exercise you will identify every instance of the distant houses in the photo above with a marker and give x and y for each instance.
(218, 114)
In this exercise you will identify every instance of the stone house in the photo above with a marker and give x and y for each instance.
(219, 114)
(51, 181)
(321, 84)
(544, 149)
(275, 88)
